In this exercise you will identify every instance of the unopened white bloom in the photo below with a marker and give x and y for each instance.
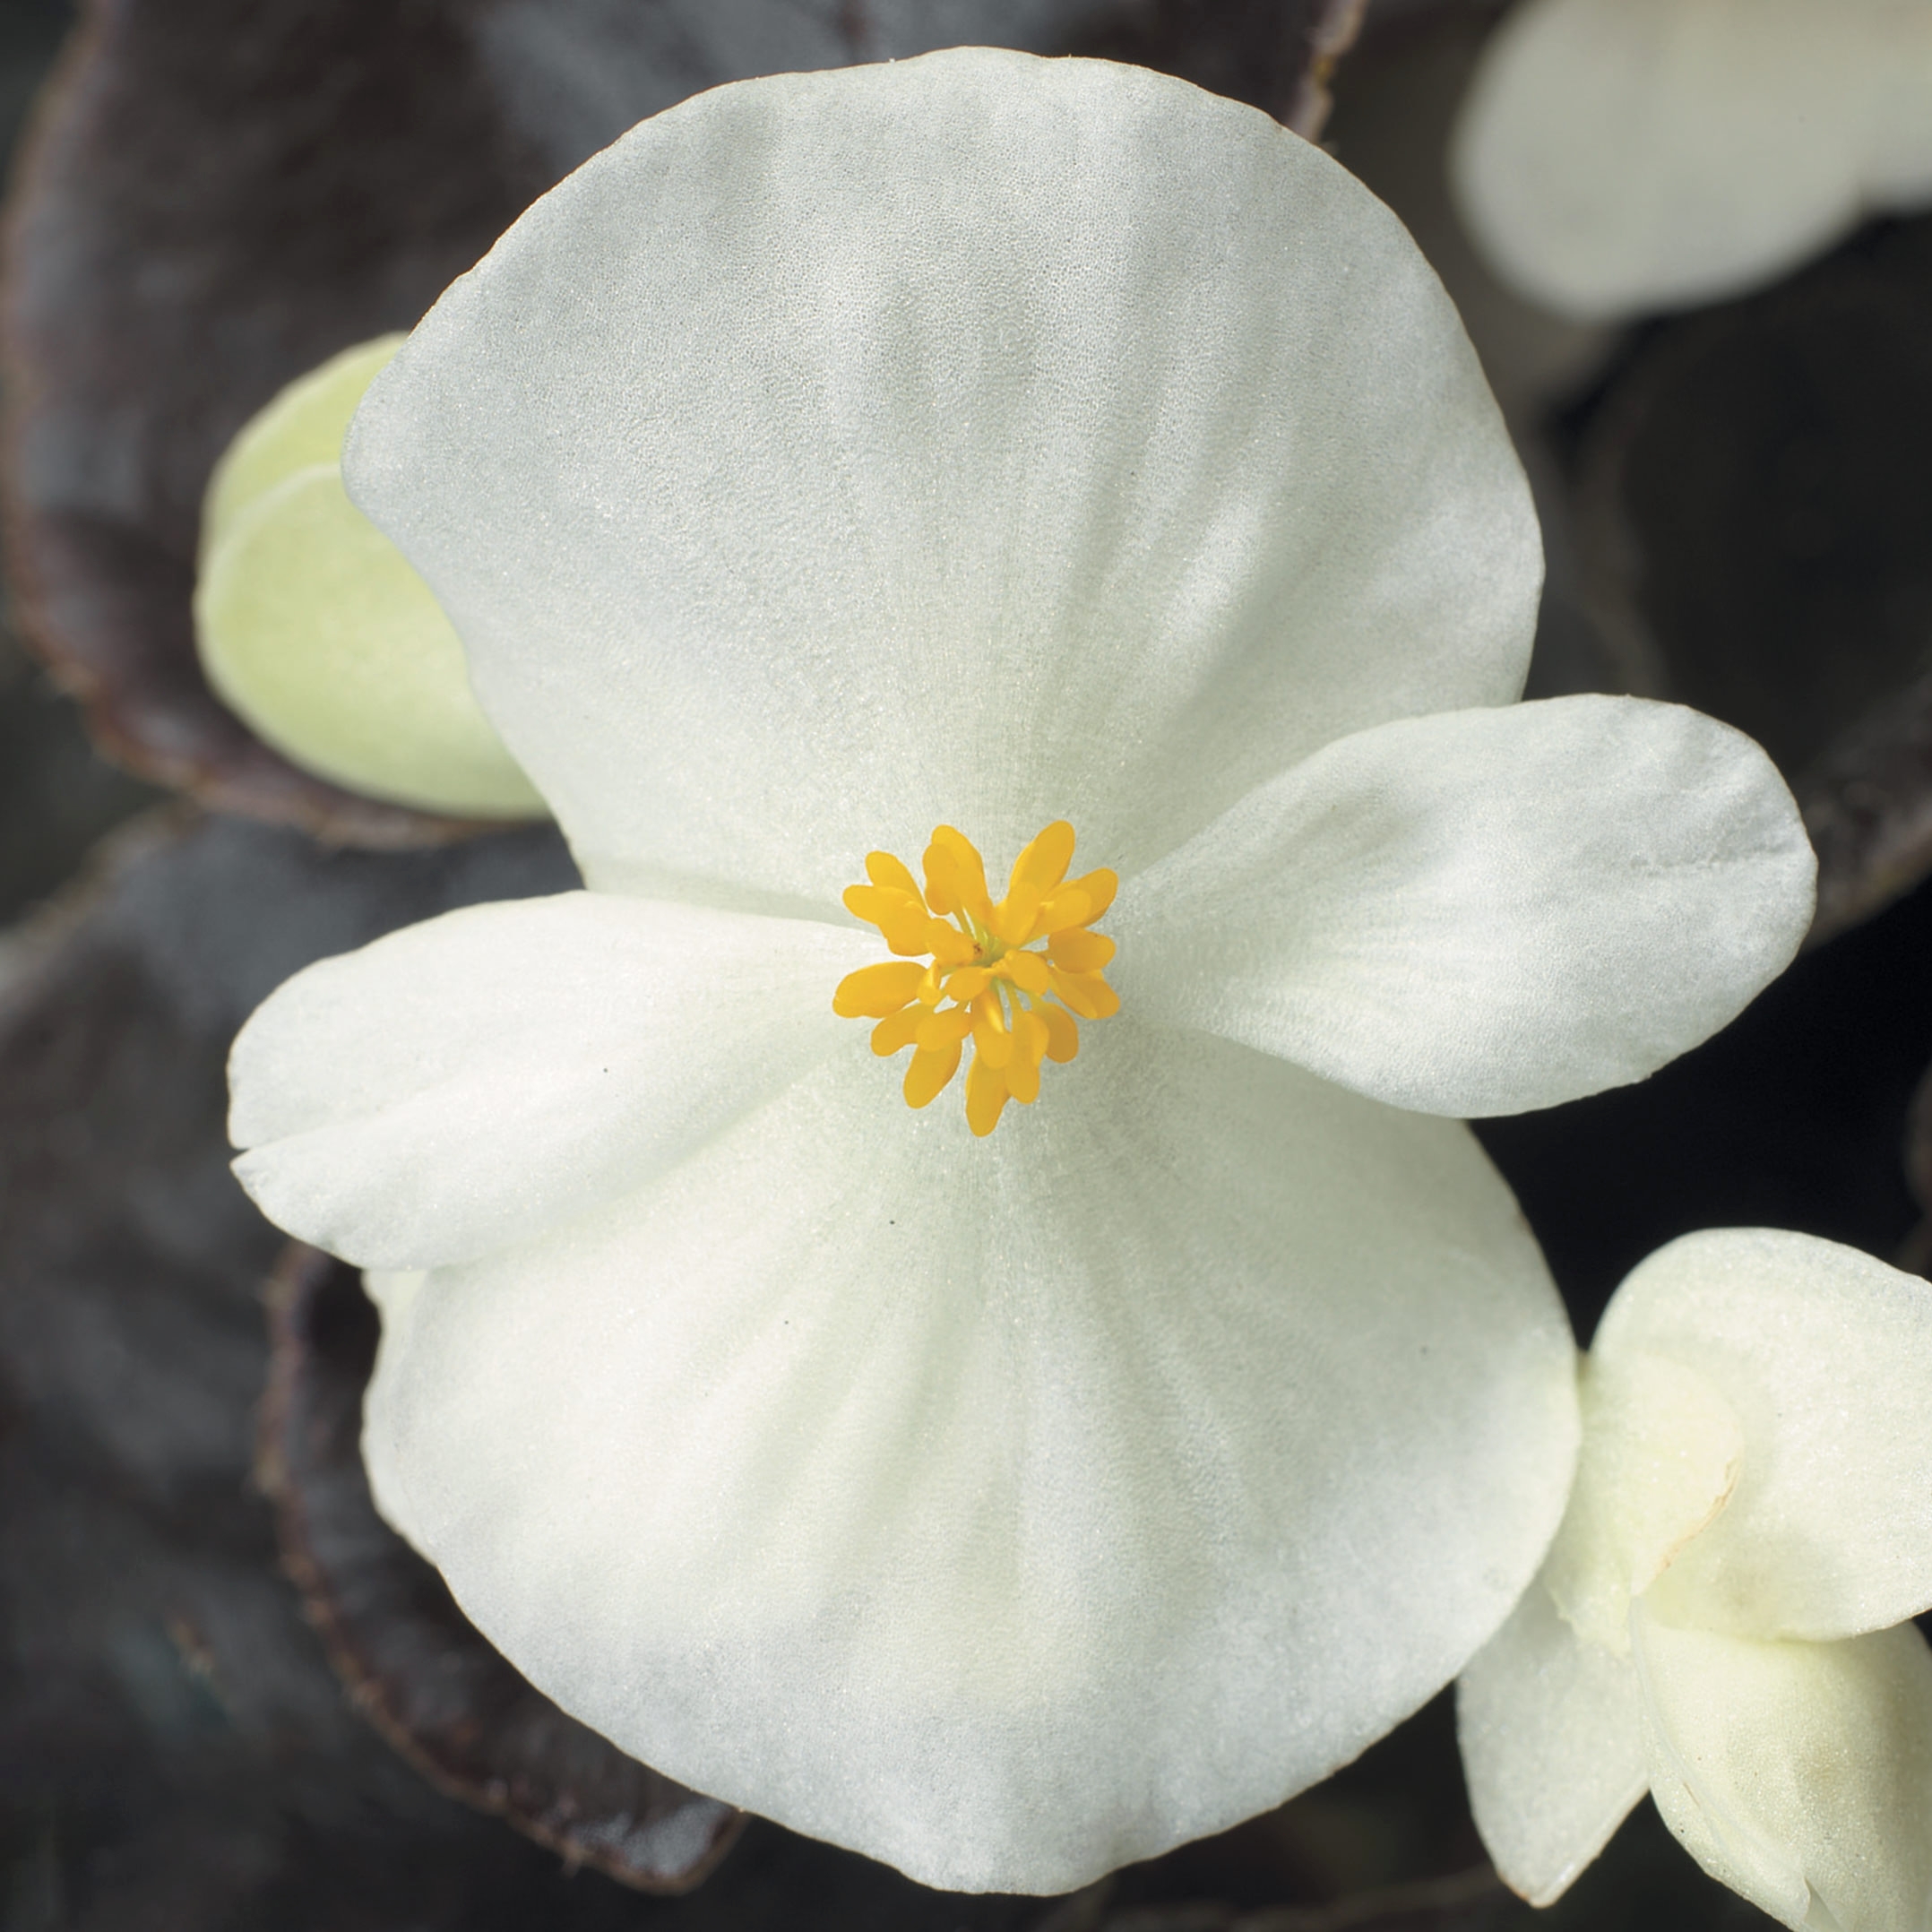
(316, 631)
(1722, 1621)
(1614, 156)
(998, 444)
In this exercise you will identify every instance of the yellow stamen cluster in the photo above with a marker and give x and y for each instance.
(955, 944)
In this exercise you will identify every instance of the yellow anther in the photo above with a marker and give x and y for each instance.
(1030, 1038)
(928, 1073)
(1077, 950)
(1028, 971)
(986, 1097)
(941, 1030)
(882, 869)
(955, 878)
(1013, 918)
(874, 991)
(969, 969)
(899, 1030)
(1088, 994)
(1069, 906)
(1062, 1033)
(1021, 1072)
(1099, 886)
(901, 917)
(1043, 864)
(990, 1039)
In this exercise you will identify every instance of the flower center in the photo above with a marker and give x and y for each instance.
(1011, 976)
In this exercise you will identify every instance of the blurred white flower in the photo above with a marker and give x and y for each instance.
(1616, 156)
(1722, 1620)
(985, 443)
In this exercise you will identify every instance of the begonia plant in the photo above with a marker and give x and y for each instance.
(858, 492)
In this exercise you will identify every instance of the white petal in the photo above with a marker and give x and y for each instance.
(1660, 1457)
(1800, 1774)
(1487, 911)
(1552, 1745)
(471, 1081)
(1618, 155)
(1013, 1509)
(1825, 1357)
(973, 439)
(393, 1295)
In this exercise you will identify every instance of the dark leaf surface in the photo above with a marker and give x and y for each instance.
(414, 1663)
(56, 794)
(1754, 508)
(217, 196)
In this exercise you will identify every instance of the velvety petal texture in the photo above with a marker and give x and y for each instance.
(1661, 1453)
(1798, 1773)
(1753, 1475)
(1552, 1741)
(467, 1083)
(1826, 1357)
(1072, 1493)
(1614, 156)
(1039, 438)
(1484, 912)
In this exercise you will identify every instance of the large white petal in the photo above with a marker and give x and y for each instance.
(1825, 1356)
(1484, 911)
(1013, 1509)
(1800, 1774)
(1618, 155)
(974, 439)
(1552, 1743)
(473, 1080)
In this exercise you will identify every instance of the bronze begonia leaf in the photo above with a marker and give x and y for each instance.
(1754, 508)
(417, 1669)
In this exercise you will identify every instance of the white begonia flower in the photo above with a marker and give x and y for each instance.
(1616, 156)
(982, 441)
(1715, 1622)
